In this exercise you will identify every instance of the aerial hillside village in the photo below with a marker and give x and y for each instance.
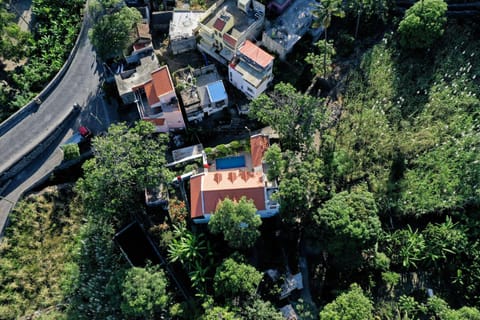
(240, 159)
(233, 36)
(237, 46)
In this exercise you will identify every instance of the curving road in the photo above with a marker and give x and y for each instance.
(80, 84)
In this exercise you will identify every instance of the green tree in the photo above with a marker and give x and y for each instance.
(323, 13)
(295, 116)
(126, 162)
(368, 8)
(406, 247)
(322, 62)
(236, 280)
(275, 163)
(218, 313)
(302, 188)
(144, 293)
(112, 34)
(423, 24)
(260, 310)
(238, 221)
(350, 225)
(444, 242)
(195, 254)
(71, 151)
(351, 305)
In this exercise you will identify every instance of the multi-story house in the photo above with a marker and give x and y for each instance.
(227, 24)
(234, 177)
(202, 91)
(250, 70)
(150, 87)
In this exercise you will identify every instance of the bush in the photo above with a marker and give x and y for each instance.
(423, 24)
(71, 151)
(222, 150)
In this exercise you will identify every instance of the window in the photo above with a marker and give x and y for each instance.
(250, 89)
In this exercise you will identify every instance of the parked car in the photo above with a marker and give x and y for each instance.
(83, 134)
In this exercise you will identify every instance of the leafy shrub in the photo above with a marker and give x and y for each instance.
(71, 151)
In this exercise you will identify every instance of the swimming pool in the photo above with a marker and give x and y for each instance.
(230, 162)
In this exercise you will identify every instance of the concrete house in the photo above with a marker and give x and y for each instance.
(251, 70)
(227, 24)
(240, 178)
(181, 33)
(281, 35)
(151, 88)
(202, 91)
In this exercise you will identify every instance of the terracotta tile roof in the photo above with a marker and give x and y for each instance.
(151, 94)
(219, 24)
(196, 196)
(253, 52)
(156, 121)
(209, 188)
(160, 85)
(230, 40)
(258, 145)
(162, 81)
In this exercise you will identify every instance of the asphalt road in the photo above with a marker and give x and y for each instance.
(81, 84)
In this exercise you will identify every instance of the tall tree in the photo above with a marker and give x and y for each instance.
(112, 34)
(352, 305)
(423, 24)
(275, 163)
(302, 188)
(294, 115)
(260, 310)
(323, 13)
(127, 160)
(368, 8)
(145, 293)
(238, 221)
(236, 280)
(350, 225)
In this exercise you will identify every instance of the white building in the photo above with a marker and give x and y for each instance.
(181, 33)
(251, 70)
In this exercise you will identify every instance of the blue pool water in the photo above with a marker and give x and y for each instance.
(230, 162)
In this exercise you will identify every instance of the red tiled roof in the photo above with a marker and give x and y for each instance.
(219, 24)
(209, 188)
(230, 40)
(253, 52)
(258, 145)
(151, 94)
(160, 85)
(162, 81)
(196, 196)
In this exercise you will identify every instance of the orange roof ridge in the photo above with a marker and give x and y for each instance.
(255, 53)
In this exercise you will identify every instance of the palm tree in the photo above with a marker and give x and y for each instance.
(323, 13)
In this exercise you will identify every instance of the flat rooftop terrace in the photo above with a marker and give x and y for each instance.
(242, 20)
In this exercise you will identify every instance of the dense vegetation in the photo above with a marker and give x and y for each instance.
(379, 186)
(43, 49)
(37, 254)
